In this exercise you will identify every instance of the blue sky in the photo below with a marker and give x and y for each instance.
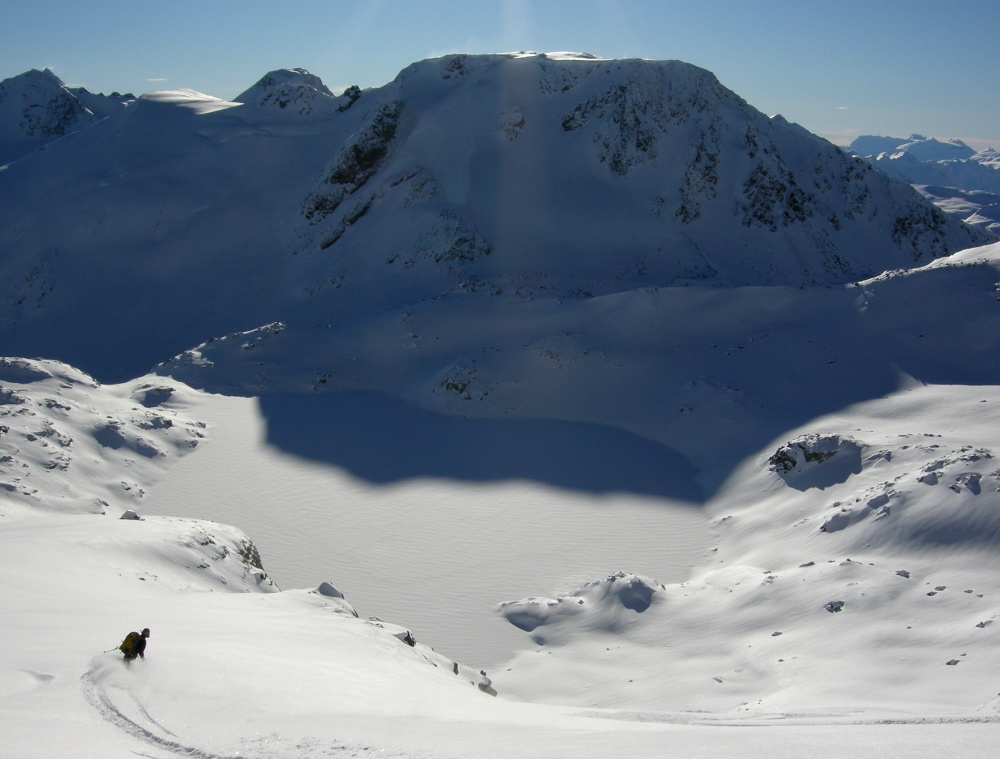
(840, 69)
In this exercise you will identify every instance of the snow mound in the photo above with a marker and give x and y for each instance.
(334, 597)
(328, 589)
(605, 605)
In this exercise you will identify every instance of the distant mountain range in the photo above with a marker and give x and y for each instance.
(958, 180)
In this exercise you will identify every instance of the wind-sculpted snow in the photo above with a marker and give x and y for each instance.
(806, 461)
(878, 559)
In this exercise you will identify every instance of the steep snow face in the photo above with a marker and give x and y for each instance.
(36, 108)
(510, 174)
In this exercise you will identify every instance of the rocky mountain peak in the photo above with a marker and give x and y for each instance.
(37, 107)
(292, 90)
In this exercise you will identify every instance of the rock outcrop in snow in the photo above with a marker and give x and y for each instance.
(817, 460)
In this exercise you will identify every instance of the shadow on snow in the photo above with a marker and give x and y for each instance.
(385, 440)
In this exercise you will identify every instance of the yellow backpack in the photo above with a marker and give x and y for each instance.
(128, 643)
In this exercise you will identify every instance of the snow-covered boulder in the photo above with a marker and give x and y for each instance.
(817, 461)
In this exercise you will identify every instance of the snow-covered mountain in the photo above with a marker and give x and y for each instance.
(576, 407)
(515, 175)
(37, 107)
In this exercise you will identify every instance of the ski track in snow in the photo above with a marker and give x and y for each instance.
(99, 697)
(155, 734)
(149, 731)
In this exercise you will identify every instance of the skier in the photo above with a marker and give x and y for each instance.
(134, 644)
